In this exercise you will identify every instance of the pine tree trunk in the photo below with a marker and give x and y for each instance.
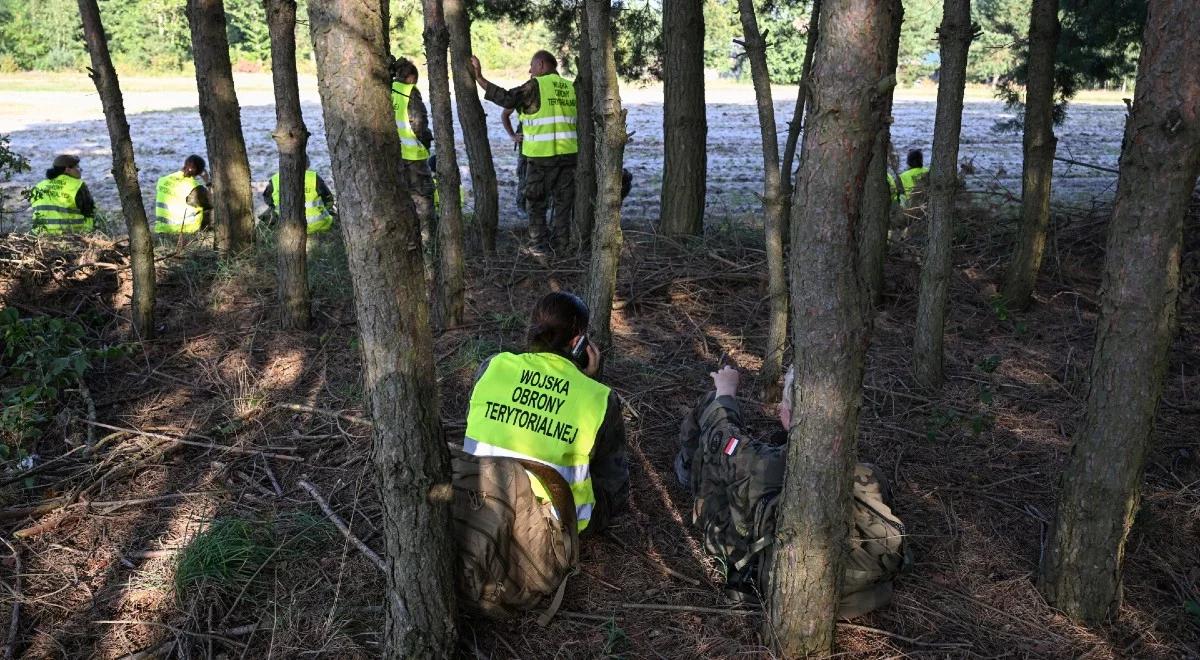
(473, 122)
(291, 136)
(383, 250)
(1102, 483)
(954, 37)
(803, 95)
(233, 209)
(756, 52)
(451, 302)
(877, 199)
(611, 139)
(585, 128)
(829, 323)
(685, 127)
(1039, 144)
(141, 248)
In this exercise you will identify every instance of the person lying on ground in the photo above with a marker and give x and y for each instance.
(543, 405)
(61, 202)
(319, 211)
(736, 481)
(181, 199)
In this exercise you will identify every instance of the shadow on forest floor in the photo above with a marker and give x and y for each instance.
(142, 566)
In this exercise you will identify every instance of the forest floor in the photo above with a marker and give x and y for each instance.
(147, 547)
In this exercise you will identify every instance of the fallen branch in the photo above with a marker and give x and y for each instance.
(193, 443)
(10, 644)
(902, 638)
(353, 419)
(343, 527)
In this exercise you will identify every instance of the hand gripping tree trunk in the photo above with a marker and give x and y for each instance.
(606, 233)
(955, 37)
(877, 199)
(1038, 144)
(829, 323)
(291, 136)
(685, 127)
(474, 124)
(756, 52)
(233, 210)
(141, 248)
(452, 270)
(585, 128)
(383, 249)
(1159, 165)
(803, 94)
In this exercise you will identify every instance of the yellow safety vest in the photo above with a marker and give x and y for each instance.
(410, 147)
(551, 130)
(54, 209)
(909, 178)
(172, 213)
(318, 218)
(540, 407)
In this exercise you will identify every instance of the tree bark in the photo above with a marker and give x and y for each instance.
(1039, 143)
(685, 127)
(611, 139)
(233, 209)
(452, 270)
(829, 323)
(954, 37)
(877, 199)
(756, 52)
(141, 248)
(383, 249)
(291, 136)
(473, 121)
(585, 128)
(803, 95)
(1159, 165)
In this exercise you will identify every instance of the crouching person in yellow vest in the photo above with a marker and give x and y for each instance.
(543, 405)
(182, 199)
(412, 123)
(61, 202)
(319, 211)
(546, 107)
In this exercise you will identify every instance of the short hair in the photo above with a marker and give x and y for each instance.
(193, 165)
(61, 163)
(915, 158)
(403, 68)
(546, 58)
(556, 320)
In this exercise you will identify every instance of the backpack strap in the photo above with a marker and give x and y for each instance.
(564, 503)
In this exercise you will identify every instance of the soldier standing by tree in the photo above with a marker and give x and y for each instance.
(546, 103)
(412, 122)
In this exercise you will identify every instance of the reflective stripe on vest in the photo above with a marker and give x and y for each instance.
(551, 130)
(54, 209)
(410, 147)
(316, 215)
(172, 213)
(539, 406)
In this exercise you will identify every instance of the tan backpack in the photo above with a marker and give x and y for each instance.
(512, 550)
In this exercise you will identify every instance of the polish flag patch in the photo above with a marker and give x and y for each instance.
(731, 446)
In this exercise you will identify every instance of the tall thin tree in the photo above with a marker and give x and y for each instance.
(877, 199)
(473, 122)
(291, 137)
(954, 38)
(829, 323)
(451, 301)
(1081, 574)
(383, 249)
(756, 52)
(141, 248)
(233, 209)
(1038, 144)
(803, 96)
(585, 129)
(685, 126)
(610, 154)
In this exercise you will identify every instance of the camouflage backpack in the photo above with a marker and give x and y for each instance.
(512, 550)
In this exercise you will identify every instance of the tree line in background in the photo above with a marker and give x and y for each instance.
(1099, 44)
